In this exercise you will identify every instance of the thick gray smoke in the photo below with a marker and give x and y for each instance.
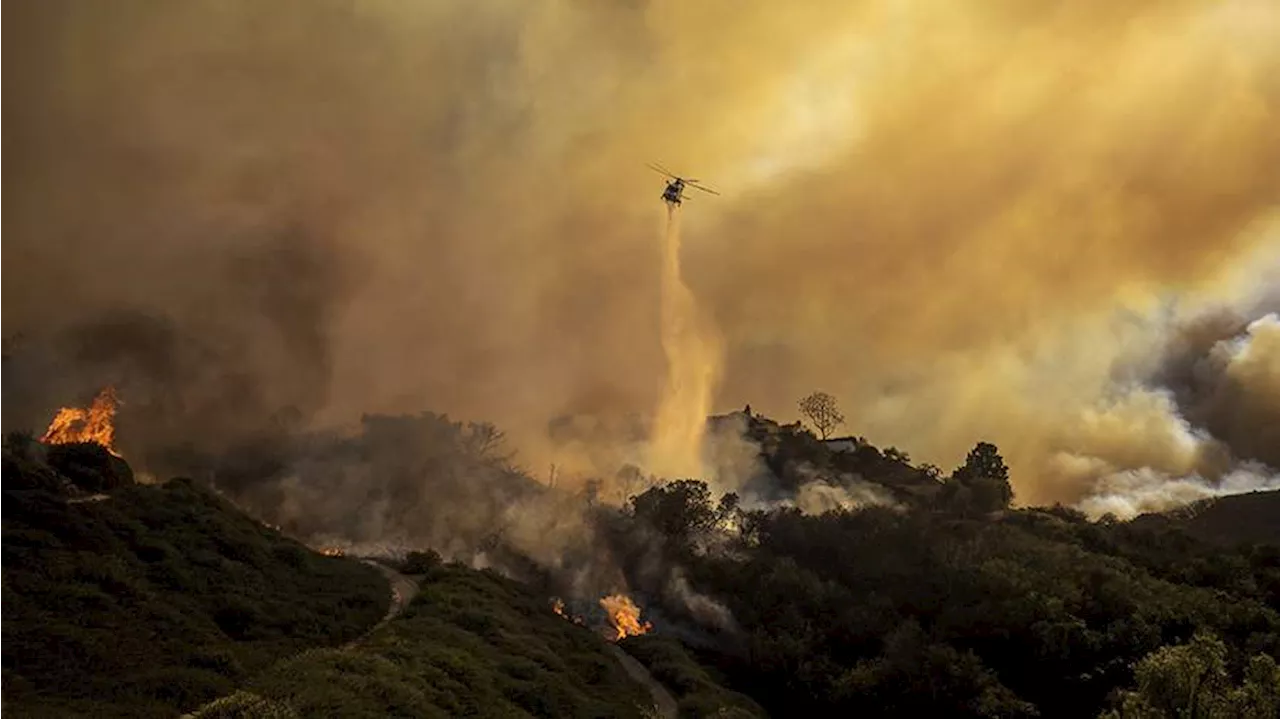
(246, 356)
(1215, 389)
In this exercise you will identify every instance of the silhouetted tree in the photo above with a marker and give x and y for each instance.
(727, 508)
(679, 509)
(981, 484)
(932, 471)
(984, 460)
(822, 412)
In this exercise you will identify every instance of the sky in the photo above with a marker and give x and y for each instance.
(967, 220)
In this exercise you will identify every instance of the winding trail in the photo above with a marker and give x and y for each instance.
(403, 590)
(662, 699)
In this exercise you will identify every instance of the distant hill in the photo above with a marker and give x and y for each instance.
(122, 600)
(1252, 518)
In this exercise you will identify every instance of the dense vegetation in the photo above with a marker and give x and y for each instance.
(698, 690)
(472, 643)
(153, 599)
(919, 594)
(956, 605)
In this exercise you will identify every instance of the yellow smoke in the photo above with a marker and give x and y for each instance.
(693, 354)
(946, 213)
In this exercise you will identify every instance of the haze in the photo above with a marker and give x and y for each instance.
(966, 220)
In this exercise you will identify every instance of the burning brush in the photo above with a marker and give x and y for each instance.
(96, 424)
(621, 617)
(624, 617)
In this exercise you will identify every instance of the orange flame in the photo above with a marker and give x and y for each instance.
(95, 424)
(557, 606)
(624, 616)
(332, 552)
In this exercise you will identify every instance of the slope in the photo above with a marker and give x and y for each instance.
(1237, 519)
(472, 643)
(151, 600)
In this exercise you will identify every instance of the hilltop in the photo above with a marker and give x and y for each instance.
(1237, 519)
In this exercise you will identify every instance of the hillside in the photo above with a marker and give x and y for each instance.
(470, 644)
(954, 603)
(924, 595)
(124, 600)
(148, 600)
(1241, 518)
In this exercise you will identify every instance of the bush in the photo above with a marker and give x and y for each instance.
(90, 466)
(421, 562)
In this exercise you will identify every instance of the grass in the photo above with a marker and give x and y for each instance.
(697, 692)
(157, 599)
(471, 643)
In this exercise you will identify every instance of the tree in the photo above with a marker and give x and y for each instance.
(1191, 680)
(984, 460)
(727, 509)
(679, 510)
(822, 412)
(897, 455)
(981, 484)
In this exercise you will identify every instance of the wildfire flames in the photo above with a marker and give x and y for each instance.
(95, 424)
(557, 606)
(332, 552)
(624, 616)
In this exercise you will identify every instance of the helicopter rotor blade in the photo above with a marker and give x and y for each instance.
(658, 168)
(704, 189)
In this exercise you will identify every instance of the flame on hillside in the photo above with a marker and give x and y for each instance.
(624, 617)
(332, 552)
(557, 606)
(95, 424)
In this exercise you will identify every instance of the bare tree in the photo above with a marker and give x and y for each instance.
(821, 411)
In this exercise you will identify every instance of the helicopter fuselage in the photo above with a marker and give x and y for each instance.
(674, 190)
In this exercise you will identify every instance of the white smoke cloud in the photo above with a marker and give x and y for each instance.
(1130, 493)
(820, 497)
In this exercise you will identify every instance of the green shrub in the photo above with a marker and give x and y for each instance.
(157, 599)
(421, 562)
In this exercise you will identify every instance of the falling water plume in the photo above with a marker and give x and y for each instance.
(693, 368)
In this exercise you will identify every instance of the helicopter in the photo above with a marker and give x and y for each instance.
(674, 193)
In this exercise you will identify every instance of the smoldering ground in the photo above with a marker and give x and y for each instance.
(939, 212)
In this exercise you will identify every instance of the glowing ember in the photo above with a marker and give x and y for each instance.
(557, 606)
(95, 424)
(332, 552)
(624, 616)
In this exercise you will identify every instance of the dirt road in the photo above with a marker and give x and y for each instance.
(662, 699)
(403, 590)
